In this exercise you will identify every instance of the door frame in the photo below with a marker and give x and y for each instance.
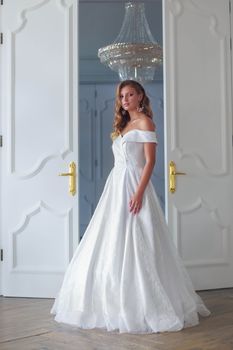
(231, 36)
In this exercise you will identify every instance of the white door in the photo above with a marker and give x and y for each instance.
(39, 115)
(198, 113)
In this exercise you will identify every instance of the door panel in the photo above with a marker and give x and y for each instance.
(198, 112)
(40, 217)
(155, 93)
(87, 156)
(105, 106)
(96, 157)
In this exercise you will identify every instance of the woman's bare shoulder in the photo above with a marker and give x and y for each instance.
(146, 123)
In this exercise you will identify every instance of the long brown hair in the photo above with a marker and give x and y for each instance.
(122, 116)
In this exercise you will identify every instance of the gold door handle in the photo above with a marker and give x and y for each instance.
(172, 176)
(72, 179)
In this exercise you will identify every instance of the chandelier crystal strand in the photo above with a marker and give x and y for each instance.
(134, 54)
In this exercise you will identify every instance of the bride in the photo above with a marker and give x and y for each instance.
(126, 274)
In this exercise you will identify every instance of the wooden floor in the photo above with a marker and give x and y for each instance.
(26, 324)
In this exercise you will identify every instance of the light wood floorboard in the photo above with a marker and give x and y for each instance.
(26, 324)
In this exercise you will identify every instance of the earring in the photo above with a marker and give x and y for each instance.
(140, 108)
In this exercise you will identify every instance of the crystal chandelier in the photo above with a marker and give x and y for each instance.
(134, 54)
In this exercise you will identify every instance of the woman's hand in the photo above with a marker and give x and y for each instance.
(135, 203)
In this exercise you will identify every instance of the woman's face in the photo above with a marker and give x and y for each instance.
(129, 98)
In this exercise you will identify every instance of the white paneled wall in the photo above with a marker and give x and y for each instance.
(96, 159)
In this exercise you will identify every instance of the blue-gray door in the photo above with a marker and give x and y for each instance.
(96, 159)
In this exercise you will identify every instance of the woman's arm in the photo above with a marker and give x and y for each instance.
(136, 200)
(135, 203)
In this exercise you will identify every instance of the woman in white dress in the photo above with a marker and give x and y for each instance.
(126, 274)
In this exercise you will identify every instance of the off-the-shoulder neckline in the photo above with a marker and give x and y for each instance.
(123, 135)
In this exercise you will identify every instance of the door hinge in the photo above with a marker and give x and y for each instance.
(1, 38)
(230, 43)
(230, 6)
(95, 113)
(1, 2)
(0, 140)
(1, 255)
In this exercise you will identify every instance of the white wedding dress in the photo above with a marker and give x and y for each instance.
(125, 274)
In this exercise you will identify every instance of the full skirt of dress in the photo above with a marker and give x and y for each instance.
(126, 274)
